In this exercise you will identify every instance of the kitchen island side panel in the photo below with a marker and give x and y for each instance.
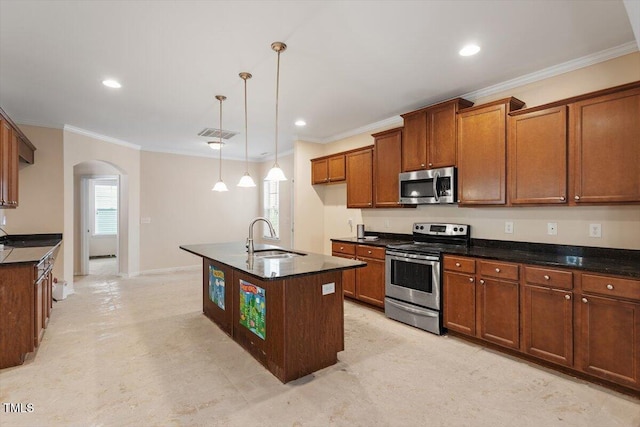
(217, 305)
(314, 328)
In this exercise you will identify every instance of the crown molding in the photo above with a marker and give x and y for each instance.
(565, 67)
(390, 122)
(104, 138)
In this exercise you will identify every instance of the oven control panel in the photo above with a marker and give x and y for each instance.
(439, 229)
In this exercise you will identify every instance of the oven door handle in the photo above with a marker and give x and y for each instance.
(410, 309)
(435, 186)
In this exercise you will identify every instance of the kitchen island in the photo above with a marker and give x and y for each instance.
(284, 307)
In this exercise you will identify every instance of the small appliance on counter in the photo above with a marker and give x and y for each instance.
(360, 233)
(413, 287)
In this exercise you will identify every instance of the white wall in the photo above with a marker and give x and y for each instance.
(326, 204)
(286, 199)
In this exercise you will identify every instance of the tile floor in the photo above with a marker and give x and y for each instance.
(138, 352)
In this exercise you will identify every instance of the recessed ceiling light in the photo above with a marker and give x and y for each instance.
(301, 123)
(215, 145)
(470, 49)
(112, 84)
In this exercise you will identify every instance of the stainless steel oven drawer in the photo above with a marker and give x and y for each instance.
(420, 317)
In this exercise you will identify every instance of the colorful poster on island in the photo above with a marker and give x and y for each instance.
(253, 308)
(216, 286)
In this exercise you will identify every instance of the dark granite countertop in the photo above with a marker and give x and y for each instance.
(234, 255)
(620, 262)
(28, 248)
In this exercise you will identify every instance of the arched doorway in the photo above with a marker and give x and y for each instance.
(98, 201)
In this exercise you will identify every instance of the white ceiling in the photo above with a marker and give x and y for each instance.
(348, 64)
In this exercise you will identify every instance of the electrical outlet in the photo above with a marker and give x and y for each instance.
(4, 220)
(552, 228)
(508, 227)
(595, 230)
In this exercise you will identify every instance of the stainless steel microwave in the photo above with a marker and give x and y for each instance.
(431, 186)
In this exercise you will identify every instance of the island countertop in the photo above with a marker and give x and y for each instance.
(234, 254)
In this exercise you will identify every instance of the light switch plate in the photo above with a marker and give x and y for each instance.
(329, 288)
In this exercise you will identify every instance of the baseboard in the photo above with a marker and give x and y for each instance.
(171, 269)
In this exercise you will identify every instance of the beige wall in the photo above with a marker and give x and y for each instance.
(176, 198)
(620, 224)
(79, 148)
(41, 187)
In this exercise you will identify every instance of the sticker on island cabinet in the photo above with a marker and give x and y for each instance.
(253, 308)
(216, 286)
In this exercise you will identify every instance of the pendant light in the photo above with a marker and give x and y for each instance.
(220, 185)
(246, 180)
(275, 173)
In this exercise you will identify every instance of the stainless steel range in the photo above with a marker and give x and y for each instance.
(412, 284)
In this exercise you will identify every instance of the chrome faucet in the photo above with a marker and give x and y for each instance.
(250, 238)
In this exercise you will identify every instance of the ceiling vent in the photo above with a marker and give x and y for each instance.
(217, 133)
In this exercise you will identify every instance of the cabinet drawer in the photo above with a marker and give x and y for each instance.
(461, 265)
(613, 286)
(343, 248)
(366, 251)
(499, 269)
(558, 279)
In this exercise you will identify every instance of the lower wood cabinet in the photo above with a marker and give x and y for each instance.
(608, 332)
(589, 323)
(364, 284)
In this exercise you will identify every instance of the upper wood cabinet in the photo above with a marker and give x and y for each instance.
(360, 178)
(386, 168)
(429, 136)
(482, 152)
(538, 156)
(14, 146)
(329, 169)
(605, 148)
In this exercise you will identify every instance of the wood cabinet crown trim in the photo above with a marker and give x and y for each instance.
(462, 103)
(577, 98)
(21, 135)
(343, 153)
(511, 102)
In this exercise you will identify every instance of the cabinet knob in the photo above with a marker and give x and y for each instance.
(567, 296)
(584, 300)
(341, 248)
(482, 282)
(546, 277)
(458, 200)
(430, 164)
(563, 198)
(577, 197)
(610, 286)
(421, 165)
(497, 270)
(369, 252)
(457, 264)
(471, 279)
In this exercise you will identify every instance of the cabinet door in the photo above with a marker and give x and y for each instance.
(498, 309)
(606, 152)
(459, 298)
(337, 168)
(387, 159)
(348, 277)
(538, 157)
(482, 156)
(609, 339)
(5, 142)
(414, 142)
(441, 136)
(319, 171)
(547, 324)
(360, 179)
(370, 282)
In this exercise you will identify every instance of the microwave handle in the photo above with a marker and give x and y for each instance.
(435, 186)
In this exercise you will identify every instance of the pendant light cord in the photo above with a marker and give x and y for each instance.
(220, 163)
(277, 92)
(246, 136)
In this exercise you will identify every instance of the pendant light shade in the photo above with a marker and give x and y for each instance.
(275, 173)
(220, 185)
(246, 180)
